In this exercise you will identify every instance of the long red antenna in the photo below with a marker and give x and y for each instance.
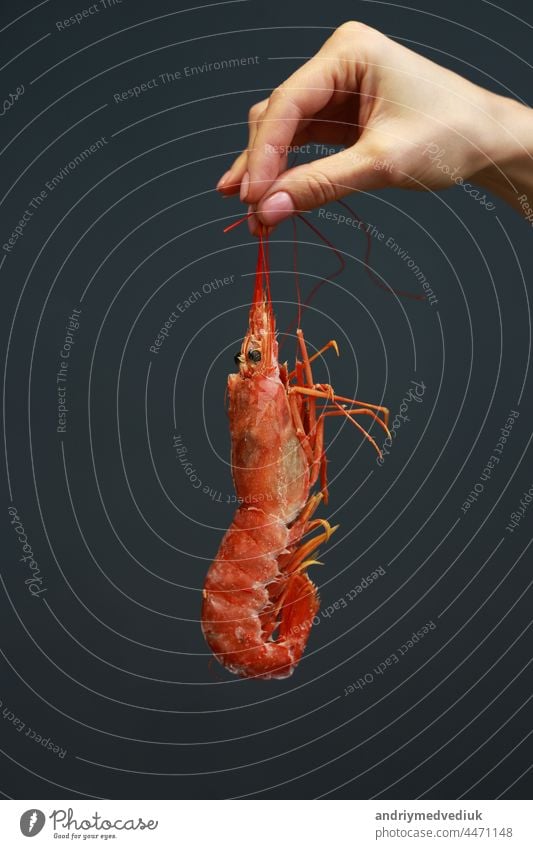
(236, 223)
(342, 265)
(390, 290)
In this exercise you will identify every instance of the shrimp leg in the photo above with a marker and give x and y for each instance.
(331, 344)
(311, 430)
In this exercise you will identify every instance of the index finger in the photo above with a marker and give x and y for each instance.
(290, 106)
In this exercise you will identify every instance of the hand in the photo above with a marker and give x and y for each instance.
(403, 121)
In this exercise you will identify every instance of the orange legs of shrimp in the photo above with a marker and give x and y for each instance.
(303, 395)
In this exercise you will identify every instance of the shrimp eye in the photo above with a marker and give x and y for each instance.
(254, 356)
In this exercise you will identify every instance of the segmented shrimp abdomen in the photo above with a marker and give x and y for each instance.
(243, 591)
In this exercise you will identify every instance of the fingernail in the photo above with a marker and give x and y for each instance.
(276, 208)
(223, 179)
(245, 185)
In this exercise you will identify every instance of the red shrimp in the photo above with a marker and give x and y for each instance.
(258, 601)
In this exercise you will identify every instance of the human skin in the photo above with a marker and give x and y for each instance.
(392, 110)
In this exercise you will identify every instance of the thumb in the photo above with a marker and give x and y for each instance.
(317, 183)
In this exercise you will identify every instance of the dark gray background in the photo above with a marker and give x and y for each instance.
(110, 662)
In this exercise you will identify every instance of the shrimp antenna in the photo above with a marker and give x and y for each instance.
(236, 223)
(390, 290)
(302, 306)
(296, 272)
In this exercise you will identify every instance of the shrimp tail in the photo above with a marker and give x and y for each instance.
(301, 605)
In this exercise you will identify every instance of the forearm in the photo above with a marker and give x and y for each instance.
(511, 174)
